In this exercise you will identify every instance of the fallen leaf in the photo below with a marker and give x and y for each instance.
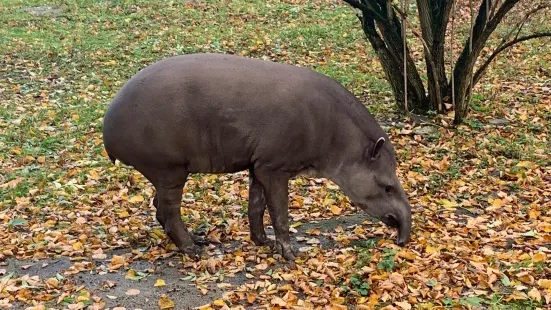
(335, 210)
(132, 292)
(403, 304)
(545, 283)
(539, 257)
(535, 294)
(136, 199)
(165, 302)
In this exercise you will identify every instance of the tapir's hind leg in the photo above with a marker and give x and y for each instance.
(257, 206)
(198, 240)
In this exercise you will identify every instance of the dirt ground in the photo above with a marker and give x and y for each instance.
(183, 292)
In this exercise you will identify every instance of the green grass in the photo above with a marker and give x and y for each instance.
(60, 72)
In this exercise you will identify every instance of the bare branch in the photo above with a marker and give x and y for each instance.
(404, 43)
(454, 8)
(534, 11)
(470, 72)
(357, 5)
(503, 47)
(366, 8)
(519, 25)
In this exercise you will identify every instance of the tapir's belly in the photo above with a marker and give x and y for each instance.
(233, 159)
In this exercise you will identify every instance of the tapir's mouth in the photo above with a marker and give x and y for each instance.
(403, 228)
(390, 220)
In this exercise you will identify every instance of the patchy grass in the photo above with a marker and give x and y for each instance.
(480, 192)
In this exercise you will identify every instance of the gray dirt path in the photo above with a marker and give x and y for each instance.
(184, 294)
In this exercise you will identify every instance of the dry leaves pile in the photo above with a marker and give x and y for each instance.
(481, 193)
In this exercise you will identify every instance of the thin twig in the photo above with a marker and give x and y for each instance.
(425, 45)
(454, 9)
(503, 47)
(357, 5)
(470, 88)
(366, 8)
(404, 22)
(518, 26)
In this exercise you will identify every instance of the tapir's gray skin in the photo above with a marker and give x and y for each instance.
(217, 113)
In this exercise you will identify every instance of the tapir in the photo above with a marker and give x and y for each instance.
(221, 113)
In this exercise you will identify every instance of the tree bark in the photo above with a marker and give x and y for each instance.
(382, 28)
(388, 44)
(464, 66)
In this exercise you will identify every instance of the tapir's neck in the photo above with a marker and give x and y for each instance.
(349, 136)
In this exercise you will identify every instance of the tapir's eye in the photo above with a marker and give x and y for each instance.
(388, 189)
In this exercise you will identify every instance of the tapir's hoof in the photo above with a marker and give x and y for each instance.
(200, 241)
(286, 250)
(262, 241)
(192, 251)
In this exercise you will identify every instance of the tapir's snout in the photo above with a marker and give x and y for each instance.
(401, 221)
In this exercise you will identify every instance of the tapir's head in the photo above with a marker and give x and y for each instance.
(369, 180)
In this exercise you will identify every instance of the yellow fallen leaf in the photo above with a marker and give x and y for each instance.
(160, 282)
(165, 302)
(539, 257)
(204, 307)
(516, 295)
(52, 282)
(251, 297)
(328, 201)
(83, 298)
(497, 203)
(403, 304)
(429, 249)
(535, 294)
(124, 214)
(533, 214)
(335, 210)
(78, 246)
(93, 175)
(448, 204)
(41, 159)
(545, 283)
(523, 117)
(219, 303)
(524, 163)
(118, 260)
(136, 199)
(407, 255)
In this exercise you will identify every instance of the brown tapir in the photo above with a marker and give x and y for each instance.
(218, 113)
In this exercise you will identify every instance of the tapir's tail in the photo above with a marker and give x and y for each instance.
(112, 158)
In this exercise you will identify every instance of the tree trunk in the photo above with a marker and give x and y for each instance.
(389, 48)
(381, 26)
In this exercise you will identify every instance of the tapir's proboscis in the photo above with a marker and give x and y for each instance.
(221, 113)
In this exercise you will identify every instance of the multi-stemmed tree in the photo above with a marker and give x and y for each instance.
(384, 23)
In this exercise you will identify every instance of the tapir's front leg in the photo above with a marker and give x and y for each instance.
(257, 206)
(276, 191)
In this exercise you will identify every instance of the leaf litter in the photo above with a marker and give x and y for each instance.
(481, 194)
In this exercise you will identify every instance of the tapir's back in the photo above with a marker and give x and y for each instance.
(218, 113)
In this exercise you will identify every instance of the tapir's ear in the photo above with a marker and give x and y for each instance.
(377, 148)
